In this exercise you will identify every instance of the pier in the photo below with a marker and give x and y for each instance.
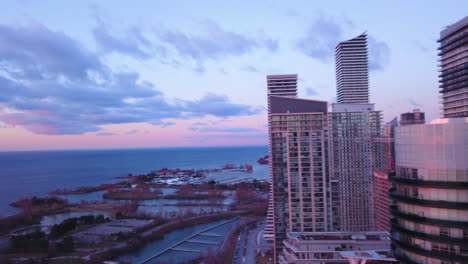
(212, 235)
(189, 239)
(202, 242)
(188, 250)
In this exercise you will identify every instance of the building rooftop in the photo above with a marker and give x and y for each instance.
(377, 236)
(451, 120)
(453, 28)
(281, 105)
(281, 76)
(381, 255)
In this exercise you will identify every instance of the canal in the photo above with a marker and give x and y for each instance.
(196, 246)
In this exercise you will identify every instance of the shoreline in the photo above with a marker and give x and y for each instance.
(216, 185)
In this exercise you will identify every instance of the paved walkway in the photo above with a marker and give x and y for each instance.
(249, 243)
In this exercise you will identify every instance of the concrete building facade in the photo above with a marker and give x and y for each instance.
(284, 85)
(356, 147)
(381, 201)
(298, 149)
(380, 194)
(354, 129)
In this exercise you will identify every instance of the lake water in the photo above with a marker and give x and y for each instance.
(27, 173)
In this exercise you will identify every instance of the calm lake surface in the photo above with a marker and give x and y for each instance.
(27, 173)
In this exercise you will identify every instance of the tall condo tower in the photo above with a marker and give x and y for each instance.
(352, 72)
(454, 69)
(284, 85)
(298, 151)
(355, 131)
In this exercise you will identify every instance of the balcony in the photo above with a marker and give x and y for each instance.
(431, 237)
(404, 259)
(429, 203)
(454, 87)
(433, 254)
(418, 218)
(423, 183)
(449, 47)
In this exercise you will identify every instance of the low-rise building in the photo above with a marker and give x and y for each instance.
(412, 118)
(335, 247)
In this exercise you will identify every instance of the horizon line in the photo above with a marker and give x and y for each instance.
(129, 148)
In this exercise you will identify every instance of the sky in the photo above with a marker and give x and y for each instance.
(132, 74)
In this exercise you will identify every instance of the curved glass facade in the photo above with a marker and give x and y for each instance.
(430, 193)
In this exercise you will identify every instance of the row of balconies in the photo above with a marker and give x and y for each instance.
(432, 237)
(460, 41)
(424, 183)
(445, 43)
(455, 69)
(441, 255)
(418, 198)
(456, 99)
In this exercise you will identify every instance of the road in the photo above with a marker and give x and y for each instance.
(248, 243)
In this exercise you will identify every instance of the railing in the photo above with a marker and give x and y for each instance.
(429, 203)
(433, 254)
(432, 237)
(417, 218)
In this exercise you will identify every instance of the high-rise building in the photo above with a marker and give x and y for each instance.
(298, 168)
(352, 71)
(353, 130)
(284, 85)
(380, 196)
(430, 192)
(454, 69)
(269, 229)
(389, 144)
(381, 201)
(355, 140)
(412, 118)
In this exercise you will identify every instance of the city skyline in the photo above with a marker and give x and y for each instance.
(207, 93)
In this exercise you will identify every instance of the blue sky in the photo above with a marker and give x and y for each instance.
(175, 73)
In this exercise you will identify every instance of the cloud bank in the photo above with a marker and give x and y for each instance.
(50, 84)
(213, 42)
